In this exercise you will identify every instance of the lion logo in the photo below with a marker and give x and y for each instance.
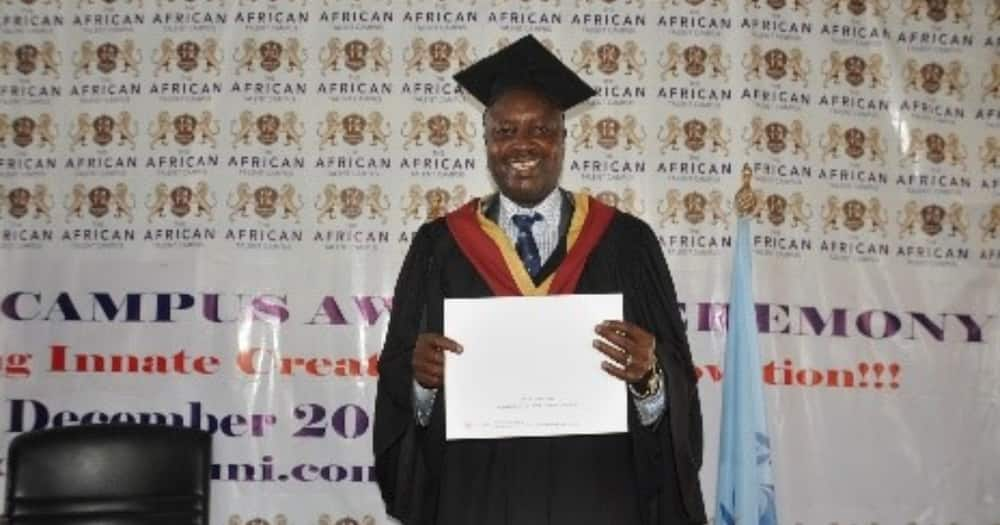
(268, 126)
(938, 11)
(158, 200)
(583, 133)
(634, 57)
(415, 55)
(669, 207)
(991, 82)
(777, 209)
(695, 61)
(21, 202)
(989, 153)
(775, 137)
(694, 134)
(331, 56)
(855, 70)
(326, 203)
(671, 133)
(103, 129)
(352, 200)
(694, 207)
(776, 64)
(106, 57)
(463, 129)
(609, 133)
(100, 201)
(75, 202)
(856, 7)
(181, 201)
(265, 199)
(908, 218)
(717, 209)
(933, 77)
(934, 147)
(437, 201)
(326, 519)
(234, 519)
(608, 129)
(5, 129)
(26, 130)
(188, 56)
(632, 132)
(358, 53)
(438, 130)
(291, 129)
(329, 130)
(26, 58)
(267, 129)
(377, 203)
(932, 220)
(670, 60)
(414, 130)
(796, 5)
(609, 58)
(854, 142)
(270, 56)
(854, 214)
(990, 223)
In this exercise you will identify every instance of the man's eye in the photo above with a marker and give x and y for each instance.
(504, 131)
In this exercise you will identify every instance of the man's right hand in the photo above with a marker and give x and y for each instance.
(428, 358)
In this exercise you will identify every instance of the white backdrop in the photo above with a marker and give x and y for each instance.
(204, 205)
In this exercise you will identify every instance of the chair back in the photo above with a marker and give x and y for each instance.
(109, 475)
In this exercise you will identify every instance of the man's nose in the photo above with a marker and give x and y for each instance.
(523, 142)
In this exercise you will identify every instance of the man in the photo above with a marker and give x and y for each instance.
(535, 239)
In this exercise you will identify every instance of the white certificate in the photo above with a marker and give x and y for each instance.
(529, 368)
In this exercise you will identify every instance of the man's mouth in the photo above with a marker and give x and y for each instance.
(523, 165)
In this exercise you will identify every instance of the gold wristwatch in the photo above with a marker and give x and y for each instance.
(649, 387)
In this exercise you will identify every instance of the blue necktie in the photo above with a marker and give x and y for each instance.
(526, 247)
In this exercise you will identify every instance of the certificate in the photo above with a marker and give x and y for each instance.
(529, 368)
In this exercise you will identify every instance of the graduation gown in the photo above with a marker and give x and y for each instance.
(646, 476)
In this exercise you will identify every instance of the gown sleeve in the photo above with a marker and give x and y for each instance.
(399, 468)
(668, 455)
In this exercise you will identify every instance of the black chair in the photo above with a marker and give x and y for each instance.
(109, 475)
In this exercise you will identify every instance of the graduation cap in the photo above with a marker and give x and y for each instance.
(525, 63)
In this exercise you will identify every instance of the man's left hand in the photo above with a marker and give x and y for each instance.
(631, 350)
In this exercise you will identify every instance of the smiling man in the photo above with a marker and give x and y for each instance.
(534, 238)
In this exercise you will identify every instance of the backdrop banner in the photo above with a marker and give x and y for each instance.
(204, 204)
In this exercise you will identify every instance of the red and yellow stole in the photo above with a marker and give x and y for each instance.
(493, 256)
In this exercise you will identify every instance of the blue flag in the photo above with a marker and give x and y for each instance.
(745, 490)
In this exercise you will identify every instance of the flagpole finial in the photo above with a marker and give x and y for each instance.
(746, 200)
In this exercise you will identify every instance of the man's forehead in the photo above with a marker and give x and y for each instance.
(523, 100)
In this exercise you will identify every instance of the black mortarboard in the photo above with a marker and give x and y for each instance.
(525, 63)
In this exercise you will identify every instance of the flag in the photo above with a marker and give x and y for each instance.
(745, 491)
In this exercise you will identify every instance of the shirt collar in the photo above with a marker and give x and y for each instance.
(549, 207)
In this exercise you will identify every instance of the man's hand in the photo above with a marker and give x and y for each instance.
(428, 358)
(631, 351)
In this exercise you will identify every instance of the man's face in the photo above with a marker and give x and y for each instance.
(525, 145)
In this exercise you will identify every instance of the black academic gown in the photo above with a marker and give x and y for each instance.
(646, 476)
